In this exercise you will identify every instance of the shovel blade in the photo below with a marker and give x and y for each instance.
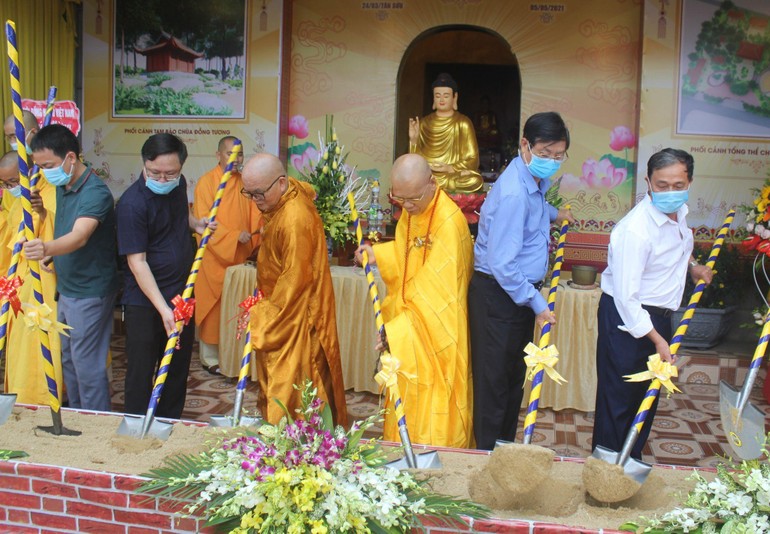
(426, 460)
(7, 400)
(745, 430)
(133, 425)
(226, 421)
(633, 468)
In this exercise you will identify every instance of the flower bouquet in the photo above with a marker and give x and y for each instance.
(304, 475)
(737, 501)
(332, 179)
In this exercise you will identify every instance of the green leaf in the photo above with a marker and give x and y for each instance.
(8, 454)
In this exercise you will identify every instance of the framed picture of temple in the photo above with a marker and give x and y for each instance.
(179, 61)
(724, 69)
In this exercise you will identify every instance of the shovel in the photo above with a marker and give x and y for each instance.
(141, 426)
(235, 418)
(387, 375)
(636, 469)
(743, 422)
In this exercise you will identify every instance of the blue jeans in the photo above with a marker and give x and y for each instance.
(84, 351)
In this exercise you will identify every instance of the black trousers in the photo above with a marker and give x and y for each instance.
(618, 353)
(499, 332)
(145, 341)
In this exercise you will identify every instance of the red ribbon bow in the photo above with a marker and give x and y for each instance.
(243, 317)
(8, 288)
(183, 309)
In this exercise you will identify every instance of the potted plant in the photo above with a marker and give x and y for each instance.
(714, 315)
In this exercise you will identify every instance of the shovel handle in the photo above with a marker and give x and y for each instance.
(545, 338)
(756, 360)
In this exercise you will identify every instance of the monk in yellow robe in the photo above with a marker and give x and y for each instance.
(427, 269)
(293, 329)
(237, 235)
(25, 368)
(446, 139)
(9, 176)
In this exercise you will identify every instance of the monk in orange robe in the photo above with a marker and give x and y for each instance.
(293, 329)
(427, 269)
(236, 238)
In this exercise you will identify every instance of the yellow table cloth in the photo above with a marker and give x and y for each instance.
(574, 336)
(356, 328)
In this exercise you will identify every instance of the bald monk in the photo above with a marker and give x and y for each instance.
(446, 138)
(427, 269)
(9, 176)
(236, 238)
(31, 127)
(293, 329)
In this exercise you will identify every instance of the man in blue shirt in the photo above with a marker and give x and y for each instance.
(511, 260)
(154, 233)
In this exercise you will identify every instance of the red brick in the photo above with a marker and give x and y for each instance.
(172, 506)
(98, 527)
(113, 498)
(89, 510)
(53, 505)
(48, 472)
(62, 522)
(551, 528)
(186, 524)
(19, 516)
(143, 518)
(142, 501)
(8, 482)
(8, 467)
(86, 478)
(46, 487)
(19, 500)
(439, 526)
(18, 529)
(499, 525)
(130, 484)
(142, 530)
(2, 515)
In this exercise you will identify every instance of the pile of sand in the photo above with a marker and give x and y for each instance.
(534, 487)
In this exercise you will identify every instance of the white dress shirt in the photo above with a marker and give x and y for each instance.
(647, 264)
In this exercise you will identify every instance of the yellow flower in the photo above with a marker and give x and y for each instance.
(337, 151)
(326, 155)
(325, 170)
(334, 165)
(317, 527)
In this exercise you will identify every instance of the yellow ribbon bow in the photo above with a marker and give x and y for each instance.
(656, 368)
(547, 357)
(39, 316)
(387, 377)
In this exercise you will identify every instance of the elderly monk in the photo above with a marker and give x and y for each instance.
(293, 329)
(427, 269)
(31, 127)
(25, 370)
(446, 138)
(9, 181)
(236, 238)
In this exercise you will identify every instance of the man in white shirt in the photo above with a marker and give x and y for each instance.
(649, 256)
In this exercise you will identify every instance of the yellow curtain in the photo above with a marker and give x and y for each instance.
(46, 35)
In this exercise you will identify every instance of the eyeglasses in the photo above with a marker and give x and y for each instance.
(556, 157)
(260, 195)
(400, 201)
(166, 176)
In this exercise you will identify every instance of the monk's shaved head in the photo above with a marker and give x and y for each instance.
(265, 177)
(9, 159)
(410, 169)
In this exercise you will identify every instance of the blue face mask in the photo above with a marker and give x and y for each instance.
(57, 176)
(542, 167)
(15, 191)
(14, 146)
(669, 201)
(162, 188)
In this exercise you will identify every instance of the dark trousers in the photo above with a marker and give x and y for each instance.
(618, 353)
(145, 342)
(499, 332)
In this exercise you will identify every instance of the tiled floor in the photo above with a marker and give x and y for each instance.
(687, 429)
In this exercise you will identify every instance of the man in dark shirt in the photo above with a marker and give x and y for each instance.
(154, 224)
(83, 252)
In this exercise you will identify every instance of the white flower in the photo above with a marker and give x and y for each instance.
(750, 226)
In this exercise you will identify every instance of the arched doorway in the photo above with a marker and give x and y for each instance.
(487, 75)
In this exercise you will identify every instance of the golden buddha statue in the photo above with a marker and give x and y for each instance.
(446, 139)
